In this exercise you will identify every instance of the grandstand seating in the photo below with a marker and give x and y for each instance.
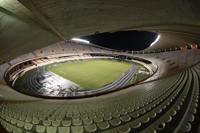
(3, 68)
(22, 58)
(166, 105)
(69, 48)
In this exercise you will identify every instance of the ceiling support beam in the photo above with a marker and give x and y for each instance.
(31, 6)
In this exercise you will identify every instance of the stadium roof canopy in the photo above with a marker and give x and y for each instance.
(26, 25)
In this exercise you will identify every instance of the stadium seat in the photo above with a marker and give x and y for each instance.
(77, 129)
(90, 128)
(40, 129)
(64, 129)
(51, 129)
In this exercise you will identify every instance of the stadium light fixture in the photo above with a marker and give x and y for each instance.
(157, 39)
(80, 40)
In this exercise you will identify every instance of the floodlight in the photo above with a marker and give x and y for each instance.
(80, 40)
(157, 39)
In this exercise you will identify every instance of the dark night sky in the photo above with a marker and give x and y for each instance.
(123, 40)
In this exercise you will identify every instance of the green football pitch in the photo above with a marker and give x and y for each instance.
(91, 74)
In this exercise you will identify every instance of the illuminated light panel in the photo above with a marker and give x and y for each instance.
(157, 39)
(80, 40)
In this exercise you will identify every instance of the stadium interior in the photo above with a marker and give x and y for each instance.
(53, 80)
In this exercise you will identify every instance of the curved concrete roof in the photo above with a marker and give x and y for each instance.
(26, 25)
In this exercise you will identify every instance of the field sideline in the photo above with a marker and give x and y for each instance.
(91, 74)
